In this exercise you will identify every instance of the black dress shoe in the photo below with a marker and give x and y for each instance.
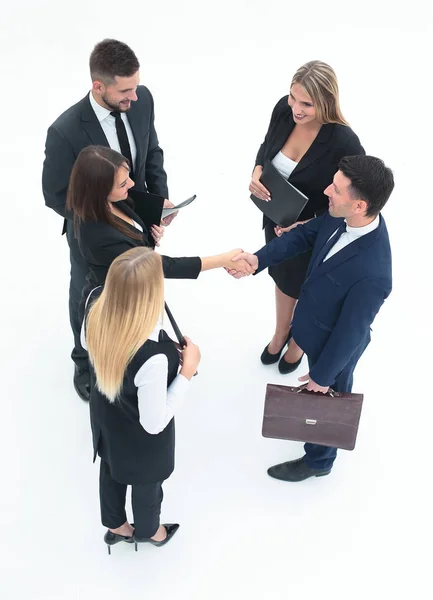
(171, 529)
(82, 383)
(111, 538)
(269, 359)
(285, 367)
(295, 470)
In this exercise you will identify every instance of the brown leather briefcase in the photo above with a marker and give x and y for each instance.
(293, 413)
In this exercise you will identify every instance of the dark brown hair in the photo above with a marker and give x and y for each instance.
(370, 180)
(91, 182)
(111, 58)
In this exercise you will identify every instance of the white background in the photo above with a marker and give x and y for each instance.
(216, 72)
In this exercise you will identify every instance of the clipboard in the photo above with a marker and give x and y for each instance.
(147, 206)
(286, 203)
(169, 211)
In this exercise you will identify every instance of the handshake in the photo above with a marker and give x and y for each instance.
(240, 264)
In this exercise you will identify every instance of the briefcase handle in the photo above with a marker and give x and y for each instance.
(330, 393)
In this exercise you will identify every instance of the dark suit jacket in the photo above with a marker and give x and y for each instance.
(319, 164)
(100, 243)
(79, 127)
(340, 298)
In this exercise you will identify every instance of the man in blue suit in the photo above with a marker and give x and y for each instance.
(349, 278)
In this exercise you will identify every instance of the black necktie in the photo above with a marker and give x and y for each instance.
(323, 253)
(122, 136)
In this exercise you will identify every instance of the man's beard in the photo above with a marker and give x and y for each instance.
(118, 107)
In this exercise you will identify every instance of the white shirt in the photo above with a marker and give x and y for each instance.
(108, 124)
(284, 165)
(156, 404)
(350, 235)
(137, 226)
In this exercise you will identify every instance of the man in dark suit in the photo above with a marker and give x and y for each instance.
(118, 112)
(348, 279)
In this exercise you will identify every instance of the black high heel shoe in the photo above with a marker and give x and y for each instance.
(111, 538)
(171, 529)
(269, 359)
(285, 367)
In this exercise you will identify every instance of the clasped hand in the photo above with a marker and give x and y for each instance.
(242, 264)
(236, 261)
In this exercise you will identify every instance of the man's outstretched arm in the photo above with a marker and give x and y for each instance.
(294, 242)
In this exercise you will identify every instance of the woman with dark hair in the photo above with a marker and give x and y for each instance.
(107, 226)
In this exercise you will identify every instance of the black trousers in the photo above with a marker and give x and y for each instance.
(146, 503)
(79, 272)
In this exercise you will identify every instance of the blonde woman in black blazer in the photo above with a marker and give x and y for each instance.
(306, 139)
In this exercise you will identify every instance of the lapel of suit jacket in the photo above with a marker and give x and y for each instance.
(92, 125)
(133, 215)
(282, 130)
(319, 146)
(339, 257)
(348, 251)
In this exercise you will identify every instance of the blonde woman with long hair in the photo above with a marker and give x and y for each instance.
(306, 139)
(136, 391)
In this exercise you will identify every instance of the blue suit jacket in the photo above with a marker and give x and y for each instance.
(340, 298)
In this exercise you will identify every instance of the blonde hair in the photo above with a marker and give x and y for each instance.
(123, 317)
(320, 83)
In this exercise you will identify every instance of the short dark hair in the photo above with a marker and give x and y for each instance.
(111, 58)
(371, 181)
(90, 185)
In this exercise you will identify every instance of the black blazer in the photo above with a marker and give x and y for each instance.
(100, 243)
(319, 164)
(79, 127)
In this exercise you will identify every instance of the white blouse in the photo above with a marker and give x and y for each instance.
(137, 225)
(284, 165)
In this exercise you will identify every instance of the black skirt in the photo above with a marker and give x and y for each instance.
(290, 274)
